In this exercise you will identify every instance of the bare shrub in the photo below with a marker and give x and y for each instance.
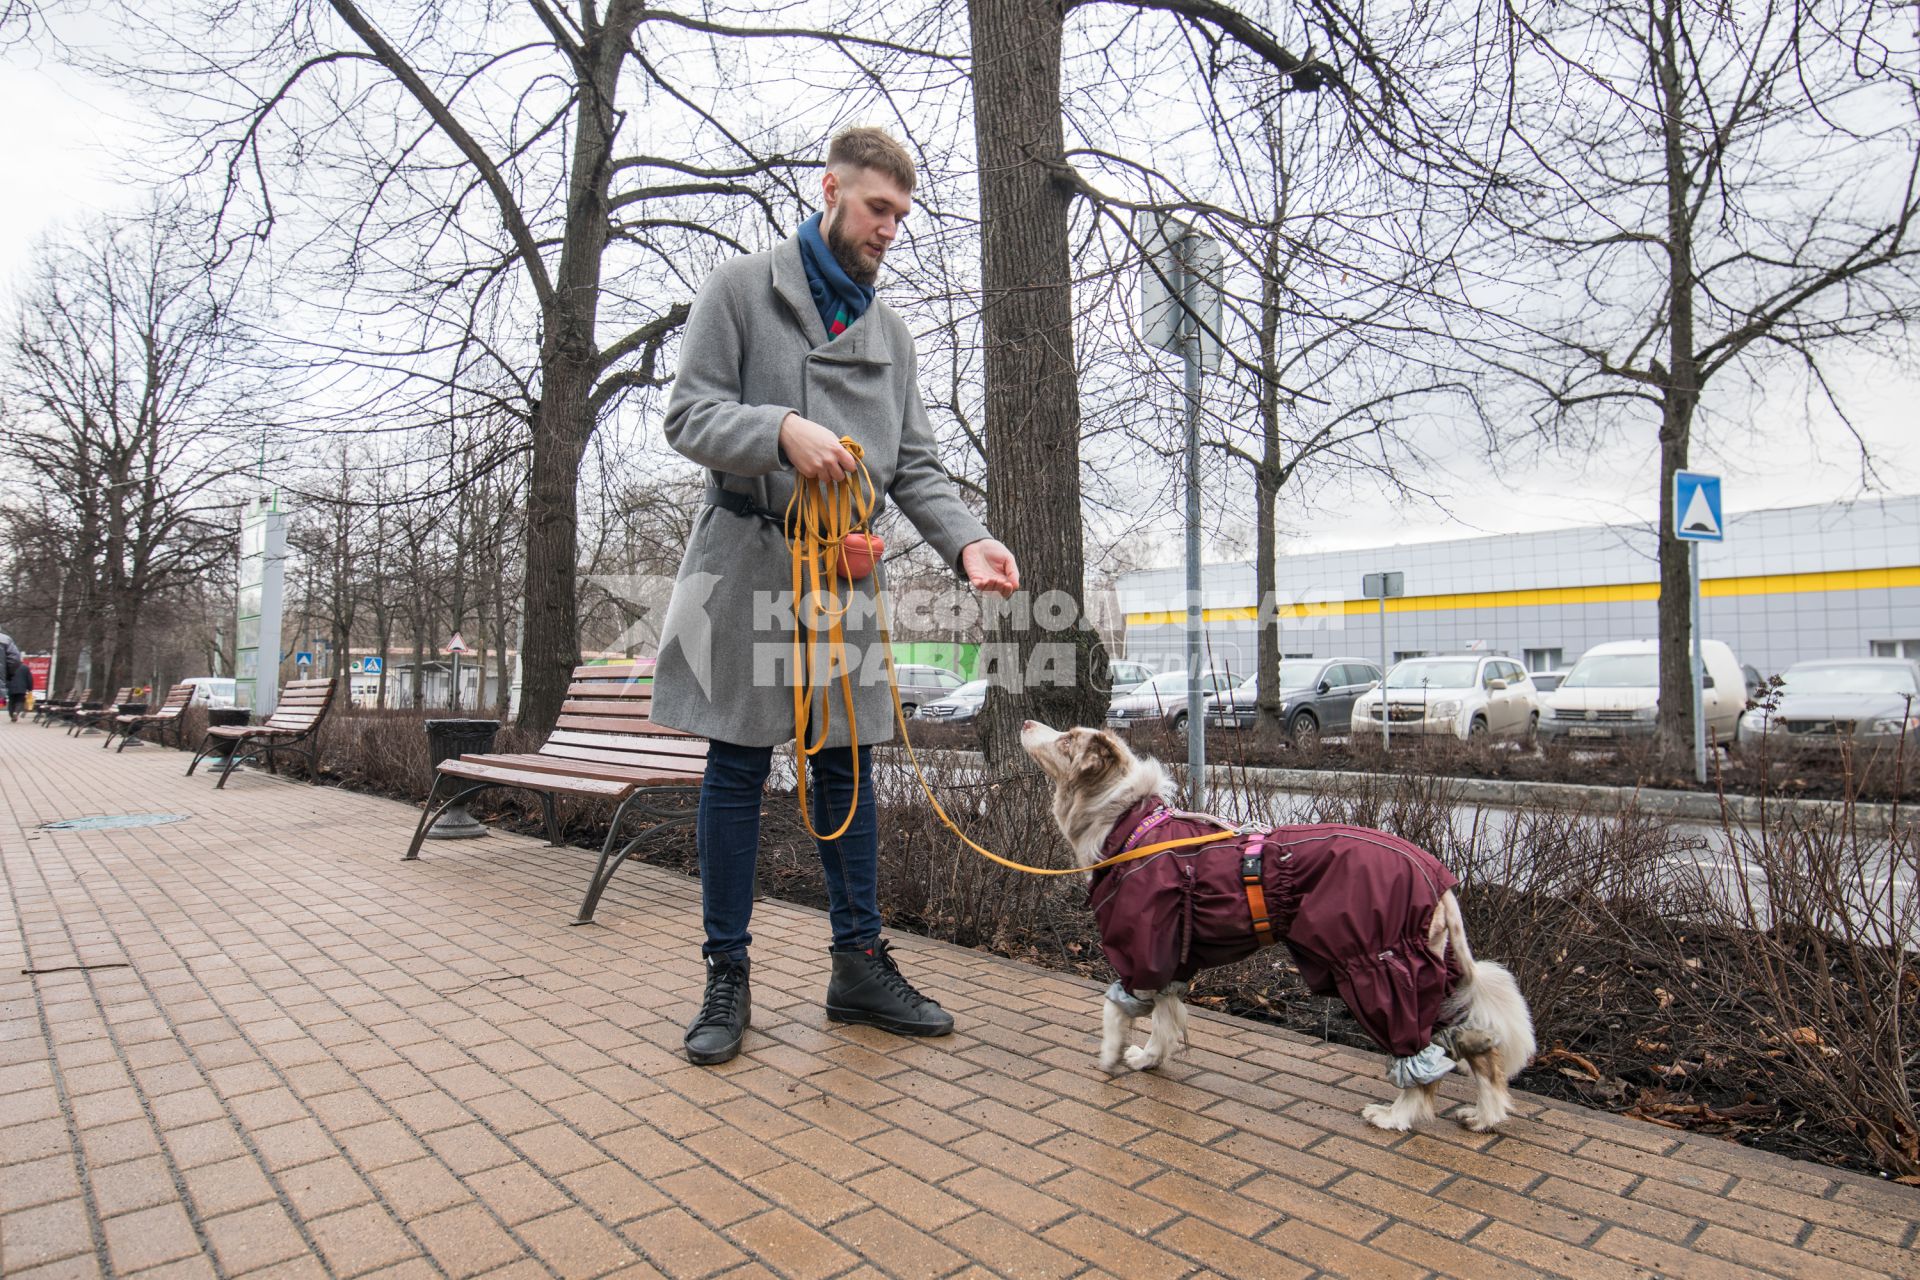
(1828, 979)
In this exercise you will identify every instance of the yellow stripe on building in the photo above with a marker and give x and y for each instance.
(1771, 584)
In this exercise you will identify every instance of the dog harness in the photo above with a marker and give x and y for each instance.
(1352, 906)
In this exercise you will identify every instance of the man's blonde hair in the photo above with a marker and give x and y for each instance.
(865, 147)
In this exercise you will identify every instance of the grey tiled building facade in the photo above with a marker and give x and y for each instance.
(1831, 580)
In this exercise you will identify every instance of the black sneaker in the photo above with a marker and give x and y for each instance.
(725, 1013)
(868, 988)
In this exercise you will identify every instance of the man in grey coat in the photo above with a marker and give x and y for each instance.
(783, 354)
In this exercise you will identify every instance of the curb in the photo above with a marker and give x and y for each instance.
(1695, 806)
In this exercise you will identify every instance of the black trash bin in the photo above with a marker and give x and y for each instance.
(449, 740)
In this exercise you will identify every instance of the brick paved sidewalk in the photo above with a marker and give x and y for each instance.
(320, 1062)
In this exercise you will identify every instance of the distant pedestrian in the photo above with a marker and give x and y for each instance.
(19, 688)
(13, 668)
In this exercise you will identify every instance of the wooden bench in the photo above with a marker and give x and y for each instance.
(90, 715)
(47, 710)
(604, 746)
(294, 724)
(171, 715)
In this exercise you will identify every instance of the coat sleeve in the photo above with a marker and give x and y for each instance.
(921, 487)
(707, 419)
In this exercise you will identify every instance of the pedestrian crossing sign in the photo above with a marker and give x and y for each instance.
(1696, 507)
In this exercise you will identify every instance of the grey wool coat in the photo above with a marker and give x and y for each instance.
(755, 349)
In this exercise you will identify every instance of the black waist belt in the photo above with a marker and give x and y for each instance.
(740, 504)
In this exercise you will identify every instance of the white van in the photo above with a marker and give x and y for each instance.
(1613, 693)
(215, 693)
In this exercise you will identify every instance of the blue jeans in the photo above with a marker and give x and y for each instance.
(728, 838)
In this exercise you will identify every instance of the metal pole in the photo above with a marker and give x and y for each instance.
(1190, 352)
(1699, 671)
(53, 665)
(1386, 720)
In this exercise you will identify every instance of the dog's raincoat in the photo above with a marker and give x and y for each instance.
(1352, 905)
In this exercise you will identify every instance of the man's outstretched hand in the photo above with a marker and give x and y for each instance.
(989, 567)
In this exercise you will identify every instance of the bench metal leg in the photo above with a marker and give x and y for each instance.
(550, 811)
(199, 754)
(431, 814)
(664, 820)
(235, 756)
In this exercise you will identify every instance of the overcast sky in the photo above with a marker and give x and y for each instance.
(57, 157)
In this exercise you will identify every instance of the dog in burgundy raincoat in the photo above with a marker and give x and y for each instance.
(1366, 916)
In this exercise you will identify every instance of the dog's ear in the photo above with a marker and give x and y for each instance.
(1097, 758)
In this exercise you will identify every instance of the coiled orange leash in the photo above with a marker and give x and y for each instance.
(820, 518)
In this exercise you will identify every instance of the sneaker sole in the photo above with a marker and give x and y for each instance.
(716, 1057)
(863, 1018)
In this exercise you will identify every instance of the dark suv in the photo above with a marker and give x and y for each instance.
(1316, 697)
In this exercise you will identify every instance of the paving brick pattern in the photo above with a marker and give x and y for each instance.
(319, 1062)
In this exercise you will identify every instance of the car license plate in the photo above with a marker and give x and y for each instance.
(1589, 731)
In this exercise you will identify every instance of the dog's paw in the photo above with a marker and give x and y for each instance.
(1110, 1062)
(1381, 1115)
(1470, 1118)
(1141, 1060)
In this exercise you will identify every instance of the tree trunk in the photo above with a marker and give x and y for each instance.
(1032, 398)
(1679, 398)
(1267, 478)
(569, 365)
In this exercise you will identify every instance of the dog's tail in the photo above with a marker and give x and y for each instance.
(1487, 1001)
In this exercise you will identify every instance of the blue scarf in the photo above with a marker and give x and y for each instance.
(840, 300)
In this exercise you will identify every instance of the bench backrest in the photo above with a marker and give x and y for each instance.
(177, 699)
(303, 704)
(607, 719)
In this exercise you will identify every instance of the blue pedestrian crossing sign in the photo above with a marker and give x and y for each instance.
(303, 659)
(1696, 507)
(371, 666)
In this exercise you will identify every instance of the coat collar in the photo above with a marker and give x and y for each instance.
(864, 342)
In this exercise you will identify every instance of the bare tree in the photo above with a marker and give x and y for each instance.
(127, 391)
(1716, 192)
(1029, 183)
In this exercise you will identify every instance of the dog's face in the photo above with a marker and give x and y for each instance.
(1080, 759)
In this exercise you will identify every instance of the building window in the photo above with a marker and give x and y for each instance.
(1544, 659)
(1401, 655)
(1896, 649)
(1289, 657)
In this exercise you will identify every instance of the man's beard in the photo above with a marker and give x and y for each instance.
(847, 253)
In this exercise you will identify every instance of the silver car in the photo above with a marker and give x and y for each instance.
(1834, 702)
(1162, 701)
(922, 684)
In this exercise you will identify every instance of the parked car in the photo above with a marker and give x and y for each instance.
(1833, 702)
(1468, 695)
(921, 684)
(1124, 675)
(1613, 693)
(958, 707)
(1316, 697)
(1162, 701)
(1546, 681)
(1756, 683)
(215, 693)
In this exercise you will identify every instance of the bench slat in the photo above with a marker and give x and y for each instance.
(535, 781)
(616, 741)
(606, 706)
(695, 753)
(678, 744)
(641, 772)
(608, 724)
(636, 669)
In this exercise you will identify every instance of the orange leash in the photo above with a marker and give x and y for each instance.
(819, 518)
